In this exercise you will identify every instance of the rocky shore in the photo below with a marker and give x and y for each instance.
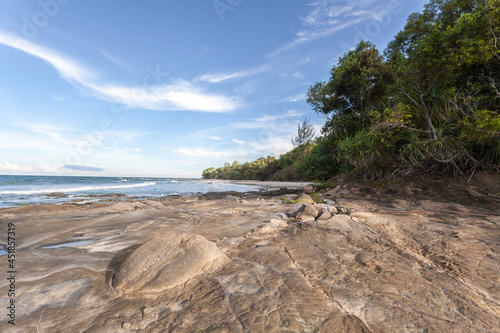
(280, 262)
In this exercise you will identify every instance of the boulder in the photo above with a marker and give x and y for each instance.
(167, 261)
(301, 209)
(308, 189)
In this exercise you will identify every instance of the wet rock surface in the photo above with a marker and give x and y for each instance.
(240, 264)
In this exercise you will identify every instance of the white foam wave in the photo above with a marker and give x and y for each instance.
(77, 189)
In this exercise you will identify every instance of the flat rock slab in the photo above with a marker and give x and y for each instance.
(198, 265)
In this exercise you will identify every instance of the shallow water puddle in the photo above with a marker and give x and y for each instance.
(68, 244)
(2, 251)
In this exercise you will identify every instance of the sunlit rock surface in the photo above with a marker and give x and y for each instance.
(242, 265)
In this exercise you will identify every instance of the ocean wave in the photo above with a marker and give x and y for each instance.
(77, 189)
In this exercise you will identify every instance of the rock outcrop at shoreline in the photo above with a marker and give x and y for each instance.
(167, 261)
(250, 264)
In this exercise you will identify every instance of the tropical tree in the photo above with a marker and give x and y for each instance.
(356, 87)
(305, 133)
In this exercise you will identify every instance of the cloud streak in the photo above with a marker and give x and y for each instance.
(220, 77)
(180, 95)
(330, 16)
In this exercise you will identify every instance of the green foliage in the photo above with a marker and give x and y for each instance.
(434, 100)
(366, 151)
(316, 198)
(305, 133)
(288, 201)
(259, 169)
(357, 86)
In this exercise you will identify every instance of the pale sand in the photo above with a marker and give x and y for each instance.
(264, 184)
(237, 264)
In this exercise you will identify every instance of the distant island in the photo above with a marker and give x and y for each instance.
(430, 103)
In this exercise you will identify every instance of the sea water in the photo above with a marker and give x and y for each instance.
(33, 190)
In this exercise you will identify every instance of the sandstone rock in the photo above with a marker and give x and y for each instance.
(154, 204)
(342, 210)
(296, 209)
(338, 222)
(305, 198)
(282, 216)
(302, 209)
(167, 261)
(310, 210)
(57, 195)
(278, 223)
(324, 214)
(332, 210)
(264, 229)
(308, 189)
(307, 219)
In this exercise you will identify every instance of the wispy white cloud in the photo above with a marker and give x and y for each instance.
(15, 168)
(176, 96)
(53, 132)
(306, 36)
(26, 169)
(220, 77)
(287, 114)
(298, 75)
(57, 98)
(203, 135)
(295, 98)
(118, 62)
(327, 17)
(268, 134)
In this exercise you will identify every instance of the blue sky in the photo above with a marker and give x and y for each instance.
(168, 88)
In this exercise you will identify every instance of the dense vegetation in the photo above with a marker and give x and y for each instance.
(431, 100)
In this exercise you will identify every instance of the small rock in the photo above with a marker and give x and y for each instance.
(126, 326)
(57, 195)
(308, 189)
(332, 210)
(264, 229)
(279, 224)
(342, 210)
(282, 216)
(295, 210)
(329, 202)
(307, 219)
(305, 198)
(324, 214)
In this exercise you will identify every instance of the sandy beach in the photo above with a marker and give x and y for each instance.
(252, 263)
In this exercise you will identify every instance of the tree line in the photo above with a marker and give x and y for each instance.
(430, 100)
